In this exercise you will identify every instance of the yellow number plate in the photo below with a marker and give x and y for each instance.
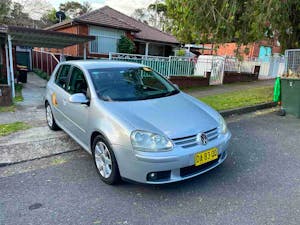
(206, 156)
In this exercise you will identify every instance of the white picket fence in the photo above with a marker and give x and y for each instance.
(217, 65)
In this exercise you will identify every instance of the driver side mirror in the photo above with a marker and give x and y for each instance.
(79, 98)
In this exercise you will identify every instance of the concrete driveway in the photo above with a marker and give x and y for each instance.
(259, 183)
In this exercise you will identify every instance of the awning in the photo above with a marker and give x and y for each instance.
(30, 37)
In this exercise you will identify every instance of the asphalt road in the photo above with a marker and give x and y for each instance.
(259, 183)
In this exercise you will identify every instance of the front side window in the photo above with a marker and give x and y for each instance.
(62, 76)
(130, 84)
(77, 82)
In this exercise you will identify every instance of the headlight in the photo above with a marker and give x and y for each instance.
(223, 126)
(150, 142)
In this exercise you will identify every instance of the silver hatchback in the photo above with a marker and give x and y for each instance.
(137, 125)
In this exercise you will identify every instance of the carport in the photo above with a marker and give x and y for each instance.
(21, 36)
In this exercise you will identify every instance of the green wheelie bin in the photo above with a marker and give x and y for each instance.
(290, 96)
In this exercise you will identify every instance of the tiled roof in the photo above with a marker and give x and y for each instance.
(109, 17)
(146, 32)
(103, 18)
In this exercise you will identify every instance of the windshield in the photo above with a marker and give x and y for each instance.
(130, 84)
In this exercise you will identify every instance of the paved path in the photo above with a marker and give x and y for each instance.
(31, 110)
(220, 89)
(257, 184)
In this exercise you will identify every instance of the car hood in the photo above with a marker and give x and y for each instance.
(176, 116)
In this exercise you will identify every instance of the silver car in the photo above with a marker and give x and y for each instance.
(137, 125)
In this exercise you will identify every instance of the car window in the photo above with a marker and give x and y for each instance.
(77, 82)
(62, 76)
(130, 84)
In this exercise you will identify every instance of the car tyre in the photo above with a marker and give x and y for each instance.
(50, 118)
(105, 161)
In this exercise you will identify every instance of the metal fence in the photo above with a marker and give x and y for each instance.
(167, 66)
(292, 59)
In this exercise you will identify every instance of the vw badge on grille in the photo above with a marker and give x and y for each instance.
(202, 138)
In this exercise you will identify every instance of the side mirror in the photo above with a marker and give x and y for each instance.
(79, 98)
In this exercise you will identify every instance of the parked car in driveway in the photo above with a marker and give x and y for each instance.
(137, 125)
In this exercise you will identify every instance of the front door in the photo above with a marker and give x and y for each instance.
(78, 114)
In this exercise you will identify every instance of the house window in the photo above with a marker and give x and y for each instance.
(106, 39)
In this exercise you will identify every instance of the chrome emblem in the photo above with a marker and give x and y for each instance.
(202, 138)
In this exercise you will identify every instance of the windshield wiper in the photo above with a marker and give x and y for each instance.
(172, 93)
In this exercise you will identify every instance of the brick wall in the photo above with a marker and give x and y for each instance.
(229, 49)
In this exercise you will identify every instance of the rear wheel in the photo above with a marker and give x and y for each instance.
(105, 161)
(50, 119)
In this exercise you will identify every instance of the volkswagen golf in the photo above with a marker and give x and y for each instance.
(135, 123)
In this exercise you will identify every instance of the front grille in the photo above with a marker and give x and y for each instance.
(191, 141)
(190, 170)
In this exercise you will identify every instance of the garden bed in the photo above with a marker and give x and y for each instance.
(232, 77)
(190, 81)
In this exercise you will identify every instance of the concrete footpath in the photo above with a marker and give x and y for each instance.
(39, 141)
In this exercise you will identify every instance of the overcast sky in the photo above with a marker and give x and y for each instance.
(36, 8)
(125, 6)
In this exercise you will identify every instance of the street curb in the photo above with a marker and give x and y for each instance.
(247, 109)
(42, 157)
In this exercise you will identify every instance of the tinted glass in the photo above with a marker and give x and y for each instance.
(77, 82)
(130, 84)
(62, 76)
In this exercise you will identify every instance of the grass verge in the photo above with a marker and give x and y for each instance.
(241, 98)
(6, 129)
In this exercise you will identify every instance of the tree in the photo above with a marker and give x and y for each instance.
(11, 13)
(4, 10)
(155, 15)
(126, 45)
(49, 18)
(74, 9)
(241, 21)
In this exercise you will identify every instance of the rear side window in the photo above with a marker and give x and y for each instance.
(62, 76)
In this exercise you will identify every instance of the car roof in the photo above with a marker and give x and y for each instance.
(101, 64)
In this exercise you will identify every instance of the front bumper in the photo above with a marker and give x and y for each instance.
(175, 165)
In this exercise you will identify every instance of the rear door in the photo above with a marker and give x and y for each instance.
(60, 96)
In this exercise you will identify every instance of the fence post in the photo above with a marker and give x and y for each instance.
(42, 63)
(169, 67)
(51, 62)
(47, 65)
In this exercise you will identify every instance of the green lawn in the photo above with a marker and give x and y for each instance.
(237, 99)
(9, 128)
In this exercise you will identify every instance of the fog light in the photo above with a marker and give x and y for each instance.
(152, 176)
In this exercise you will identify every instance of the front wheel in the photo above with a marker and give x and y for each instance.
(105, 161)
(50, 119)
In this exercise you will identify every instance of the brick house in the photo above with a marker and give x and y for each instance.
(108, 25)
(261, 49)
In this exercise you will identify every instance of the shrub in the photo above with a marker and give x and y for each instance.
(126, 45)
